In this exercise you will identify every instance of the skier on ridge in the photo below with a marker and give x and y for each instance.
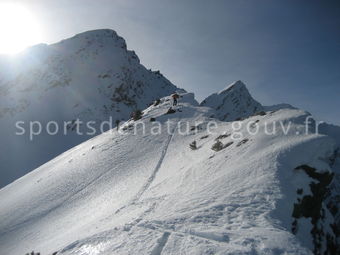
(175, 96)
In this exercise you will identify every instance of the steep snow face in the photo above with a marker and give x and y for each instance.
(233, 103)
(91, 76)
(230, 192)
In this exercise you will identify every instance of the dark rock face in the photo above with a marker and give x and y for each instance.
(313, 206)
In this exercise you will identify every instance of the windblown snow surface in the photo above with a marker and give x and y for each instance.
(126, 193)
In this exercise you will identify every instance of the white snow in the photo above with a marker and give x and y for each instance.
(152, 194)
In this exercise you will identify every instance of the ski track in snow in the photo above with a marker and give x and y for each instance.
(153, 175)
(161, 242)
(204, 236)
(158, 166)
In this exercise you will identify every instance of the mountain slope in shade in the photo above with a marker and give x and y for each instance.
(233, 103)
(159, 194)
(91, 76)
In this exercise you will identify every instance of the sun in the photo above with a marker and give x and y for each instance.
(18, 28)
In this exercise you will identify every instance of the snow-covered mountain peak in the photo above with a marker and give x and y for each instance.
(234, 102)
(98, 40)
(96, 36)
(94, 76)
(237, 85)
(98, 33)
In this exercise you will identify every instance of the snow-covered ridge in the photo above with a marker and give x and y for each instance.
(158, 194)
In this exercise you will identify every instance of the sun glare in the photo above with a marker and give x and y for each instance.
(18, 28)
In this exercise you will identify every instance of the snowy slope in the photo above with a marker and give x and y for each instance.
(121, 193)
(91, 76)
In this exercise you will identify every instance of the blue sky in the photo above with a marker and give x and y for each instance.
(285, 51)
